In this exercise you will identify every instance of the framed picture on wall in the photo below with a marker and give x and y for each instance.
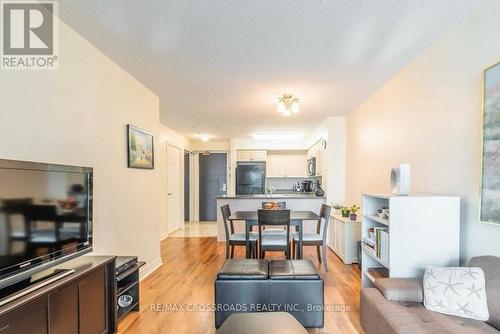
(140, 149)
(490, 177)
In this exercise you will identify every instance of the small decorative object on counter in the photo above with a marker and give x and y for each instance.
(345, 211)
(400, 180)
(270, 190)
(319, 190)
(337, 208)
(353, 216)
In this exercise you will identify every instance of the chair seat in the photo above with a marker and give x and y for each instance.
(240, 236)
(308, 237)
(274, 239)
(274, 232)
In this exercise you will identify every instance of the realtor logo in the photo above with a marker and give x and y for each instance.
(29, 35)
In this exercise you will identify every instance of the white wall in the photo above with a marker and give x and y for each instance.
(211, 145)
(77, 115)
(333, 130)
(430, 116)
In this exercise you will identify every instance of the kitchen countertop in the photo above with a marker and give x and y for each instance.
(273, 196)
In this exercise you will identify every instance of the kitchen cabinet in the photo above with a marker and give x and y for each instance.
(286, 164)
(251, 155)
(344, 237)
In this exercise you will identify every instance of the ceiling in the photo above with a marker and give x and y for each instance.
(219, 66)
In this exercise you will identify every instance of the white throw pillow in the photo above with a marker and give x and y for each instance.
(456, 291)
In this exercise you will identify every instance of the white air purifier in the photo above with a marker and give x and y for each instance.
(401, 180)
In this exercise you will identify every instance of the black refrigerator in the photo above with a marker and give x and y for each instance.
(250, 178)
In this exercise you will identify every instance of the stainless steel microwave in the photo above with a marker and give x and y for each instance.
(311, 167)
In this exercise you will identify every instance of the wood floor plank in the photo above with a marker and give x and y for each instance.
(187, 277)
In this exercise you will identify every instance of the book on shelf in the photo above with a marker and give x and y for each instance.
(378, 240)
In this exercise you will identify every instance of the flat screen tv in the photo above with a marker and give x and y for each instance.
(45, 217)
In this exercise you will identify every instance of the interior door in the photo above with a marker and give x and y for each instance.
(187, 194)
(213, 178)
(173, 188)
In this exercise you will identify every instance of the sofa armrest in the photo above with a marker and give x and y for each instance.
(401, 290)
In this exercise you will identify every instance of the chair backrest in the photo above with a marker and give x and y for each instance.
(47, 213)
(271, 205)
(226, 213)
(16, 205)
(274, 218)
(324, 218)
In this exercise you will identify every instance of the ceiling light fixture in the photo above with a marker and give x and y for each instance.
(287, 105)
(204, 137)
(277, 136)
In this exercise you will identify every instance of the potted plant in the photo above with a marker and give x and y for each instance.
(353, 209)
(337, 208)
(345, 211)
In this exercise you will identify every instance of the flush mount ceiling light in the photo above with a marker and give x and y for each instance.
(204, 137)
(277, 136)
(288, 105)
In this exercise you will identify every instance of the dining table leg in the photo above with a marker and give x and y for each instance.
(299, 253)
(247, 239)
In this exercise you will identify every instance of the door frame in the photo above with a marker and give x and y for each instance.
(181, 186)
(196, 179)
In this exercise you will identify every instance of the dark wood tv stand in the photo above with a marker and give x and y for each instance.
(82, 302)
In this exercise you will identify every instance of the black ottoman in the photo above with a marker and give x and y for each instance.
(241, 286)
(298, 288)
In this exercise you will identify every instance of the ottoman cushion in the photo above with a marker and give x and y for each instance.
(293, 269)
(243, 269)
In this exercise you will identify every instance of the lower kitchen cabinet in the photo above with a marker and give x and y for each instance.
(344, 236)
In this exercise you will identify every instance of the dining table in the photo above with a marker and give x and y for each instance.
(251, 219)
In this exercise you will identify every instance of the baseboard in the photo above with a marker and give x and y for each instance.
(148, 269)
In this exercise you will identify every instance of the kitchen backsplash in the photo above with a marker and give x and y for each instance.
(283, 184)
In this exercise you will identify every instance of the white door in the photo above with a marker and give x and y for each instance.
(173, 188)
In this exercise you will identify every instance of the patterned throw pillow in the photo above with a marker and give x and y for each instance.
(456, 291)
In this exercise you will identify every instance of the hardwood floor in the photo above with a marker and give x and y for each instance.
(187, 278)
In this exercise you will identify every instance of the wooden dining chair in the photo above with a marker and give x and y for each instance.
(317, 239)
(236, 239)
(274, 241)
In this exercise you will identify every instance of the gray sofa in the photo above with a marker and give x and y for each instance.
(395, 306)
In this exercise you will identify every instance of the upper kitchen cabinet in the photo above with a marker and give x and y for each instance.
(317, 151)
(251, 155)
(286, 164)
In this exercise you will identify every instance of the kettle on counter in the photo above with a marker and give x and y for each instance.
(319, 191)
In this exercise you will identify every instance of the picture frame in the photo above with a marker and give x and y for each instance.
(490, 147)
(140, 148)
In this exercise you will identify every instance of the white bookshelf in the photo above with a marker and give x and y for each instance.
(424, 230)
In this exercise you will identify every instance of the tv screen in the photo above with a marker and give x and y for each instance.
(45, 216)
